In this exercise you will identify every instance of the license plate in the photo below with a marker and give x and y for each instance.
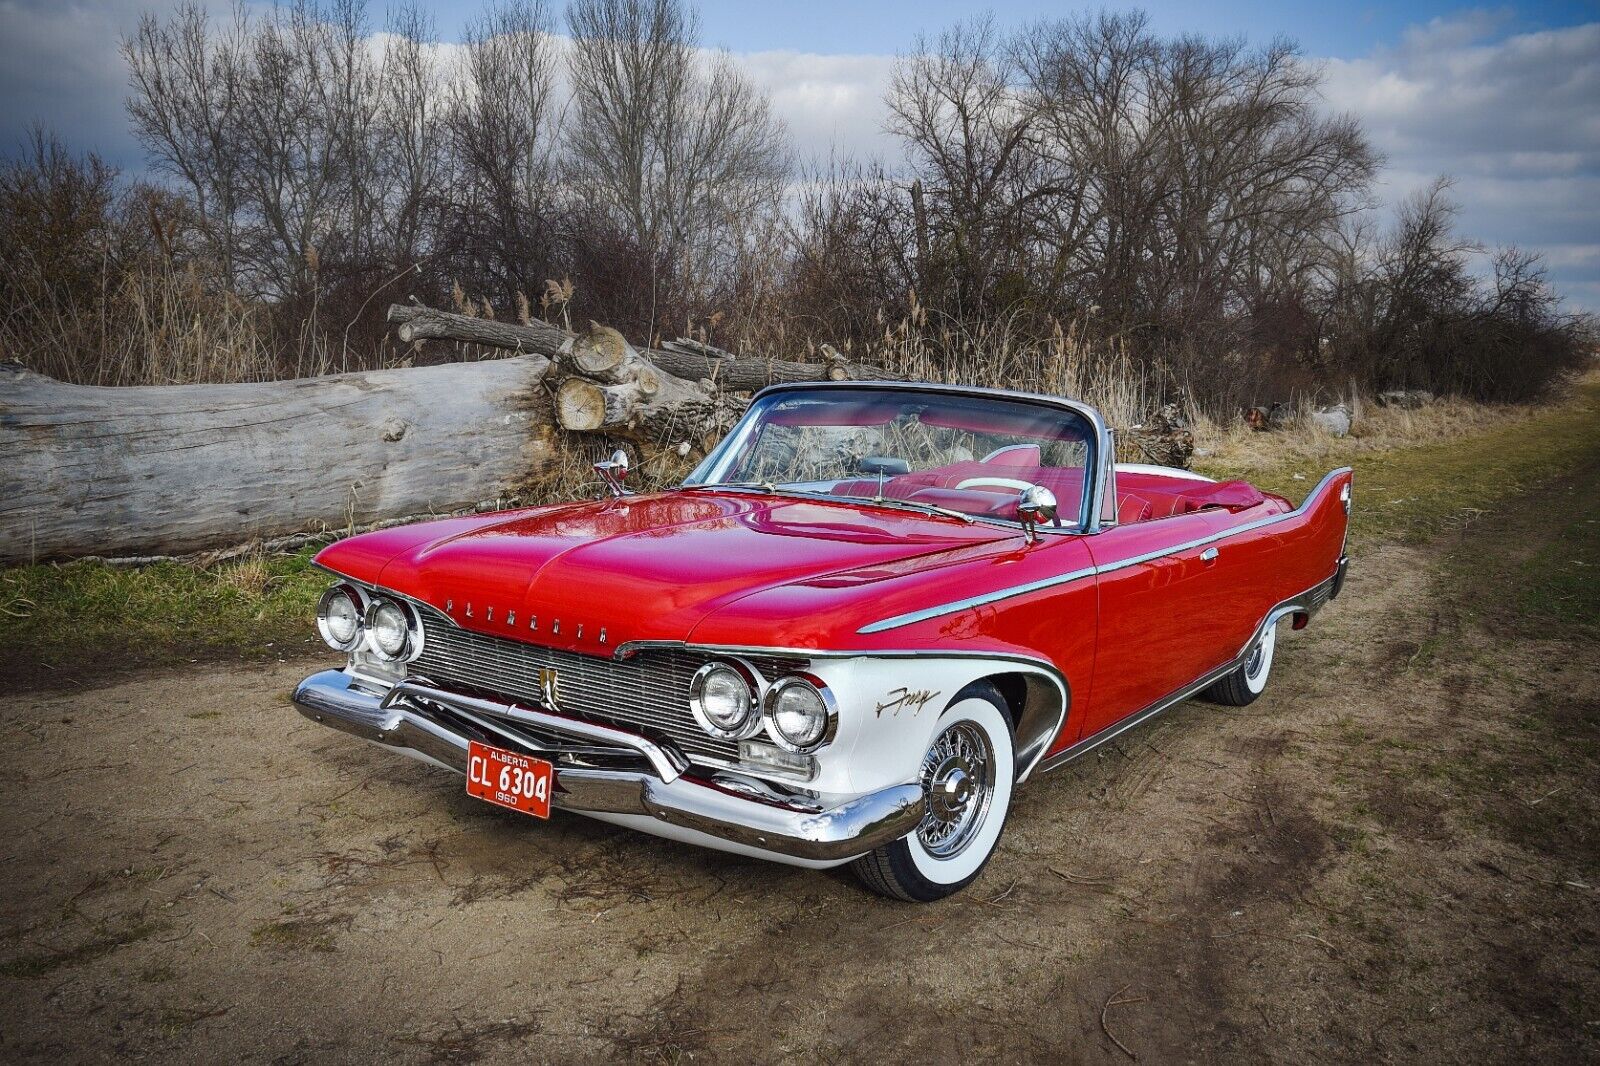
(508, 779)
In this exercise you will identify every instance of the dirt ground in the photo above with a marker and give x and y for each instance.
(1392, 856)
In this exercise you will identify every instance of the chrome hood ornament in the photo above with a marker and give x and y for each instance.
(614, 471)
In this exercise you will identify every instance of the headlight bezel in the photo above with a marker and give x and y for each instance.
(410, 647)
(830, 712)
(352, 594)
(754, 686)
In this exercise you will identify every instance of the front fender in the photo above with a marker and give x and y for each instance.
(889, 706)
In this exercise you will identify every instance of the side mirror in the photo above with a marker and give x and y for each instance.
(1035, 506)
(614, 471)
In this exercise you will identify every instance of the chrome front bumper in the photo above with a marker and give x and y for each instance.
(436, 725)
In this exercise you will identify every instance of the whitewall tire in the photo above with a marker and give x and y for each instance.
(1249, 679)
(968, 773)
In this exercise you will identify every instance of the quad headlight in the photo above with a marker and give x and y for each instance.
(339, 617)
(392, 630)
(799, 712)
(723, 697)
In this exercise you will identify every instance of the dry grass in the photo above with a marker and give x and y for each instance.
(1419, 473)
(1236, 448)
(157, 324)
(1064, 364)
(249, 577)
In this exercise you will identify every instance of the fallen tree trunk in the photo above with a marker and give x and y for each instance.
(615, 390)
(416, 323)
(168, 470)
(681, 358)
(165, 470)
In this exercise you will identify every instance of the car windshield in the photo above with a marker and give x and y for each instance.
(939, 452)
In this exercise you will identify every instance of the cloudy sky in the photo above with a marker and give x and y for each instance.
(1506, 100)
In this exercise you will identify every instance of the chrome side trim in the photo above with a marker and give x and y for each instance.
(1034, 733)
(1307, 602)
(1164, 471)
(955, 606)
(975, 601)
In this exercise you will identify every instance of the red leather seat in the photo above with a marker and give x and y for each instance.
(969, 501)
(1131, 509)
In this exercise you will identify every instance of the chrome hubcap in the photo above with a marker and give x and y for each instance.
(1252, 666)
(958, 780)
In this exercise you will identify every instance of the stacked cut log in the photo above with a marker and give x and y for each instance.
(1165, 439)
(167, 470)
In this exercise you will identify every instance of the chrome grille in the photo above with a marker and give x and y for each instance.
(648, 693)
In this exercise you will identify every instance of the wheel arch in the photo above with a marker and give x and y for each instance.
(1036, 701)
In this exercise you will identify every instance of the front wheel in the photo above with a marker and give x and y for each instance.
(1249, 679)
(967, 774)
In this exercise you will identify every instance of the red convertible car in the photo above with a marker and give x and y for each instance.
(872, 613)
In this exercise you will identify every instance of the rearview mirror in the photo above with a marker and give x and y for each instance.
(1036, 505)
(882, 465)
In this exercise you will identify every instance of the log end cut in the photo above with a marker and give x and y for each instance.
(580, 405)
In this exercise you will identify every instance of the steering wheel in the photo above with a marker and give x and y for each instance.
(998, 482)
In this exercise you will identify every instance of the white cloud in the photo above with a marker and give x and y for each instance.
(833, 104)
(1513, 120)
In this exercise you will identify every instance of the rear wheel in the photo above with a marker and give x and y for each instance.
(967, 775)
(1249, 679)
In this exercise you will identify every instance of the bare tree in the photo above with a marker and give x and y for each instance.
(306, 113)
(679, 154)
(1190, 199)
(411, 156)
(972, 134)
(504, 122)
(185, 110)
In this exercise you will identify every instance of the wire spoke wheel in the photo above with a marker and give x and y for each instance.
(958, 777)
(967, 773)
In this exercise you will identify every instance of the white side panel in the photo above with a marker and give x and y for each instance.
(887, 712)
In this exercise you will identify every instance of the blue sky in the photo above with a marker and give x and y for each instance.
(1328, 27)
(1505, 99)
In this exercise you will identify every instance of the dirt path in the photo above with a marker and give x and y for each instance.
(1392, 856)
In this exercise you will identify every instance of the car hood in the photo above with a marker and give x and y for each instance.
(593, 576)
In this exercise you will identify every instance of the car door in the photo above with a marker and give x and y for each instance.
(1158, 592)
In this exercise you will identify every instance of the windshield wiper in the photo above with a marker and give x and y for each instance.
(732, 486)
(911, 505)
(770, 489)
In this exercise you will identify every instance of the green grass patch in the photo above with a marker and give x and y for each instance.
(78, 613)
(1533, 568)
(1560, 584)
(1411, 494)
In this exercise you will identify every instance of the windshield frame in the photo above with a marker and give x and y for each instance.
(1090, 518)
